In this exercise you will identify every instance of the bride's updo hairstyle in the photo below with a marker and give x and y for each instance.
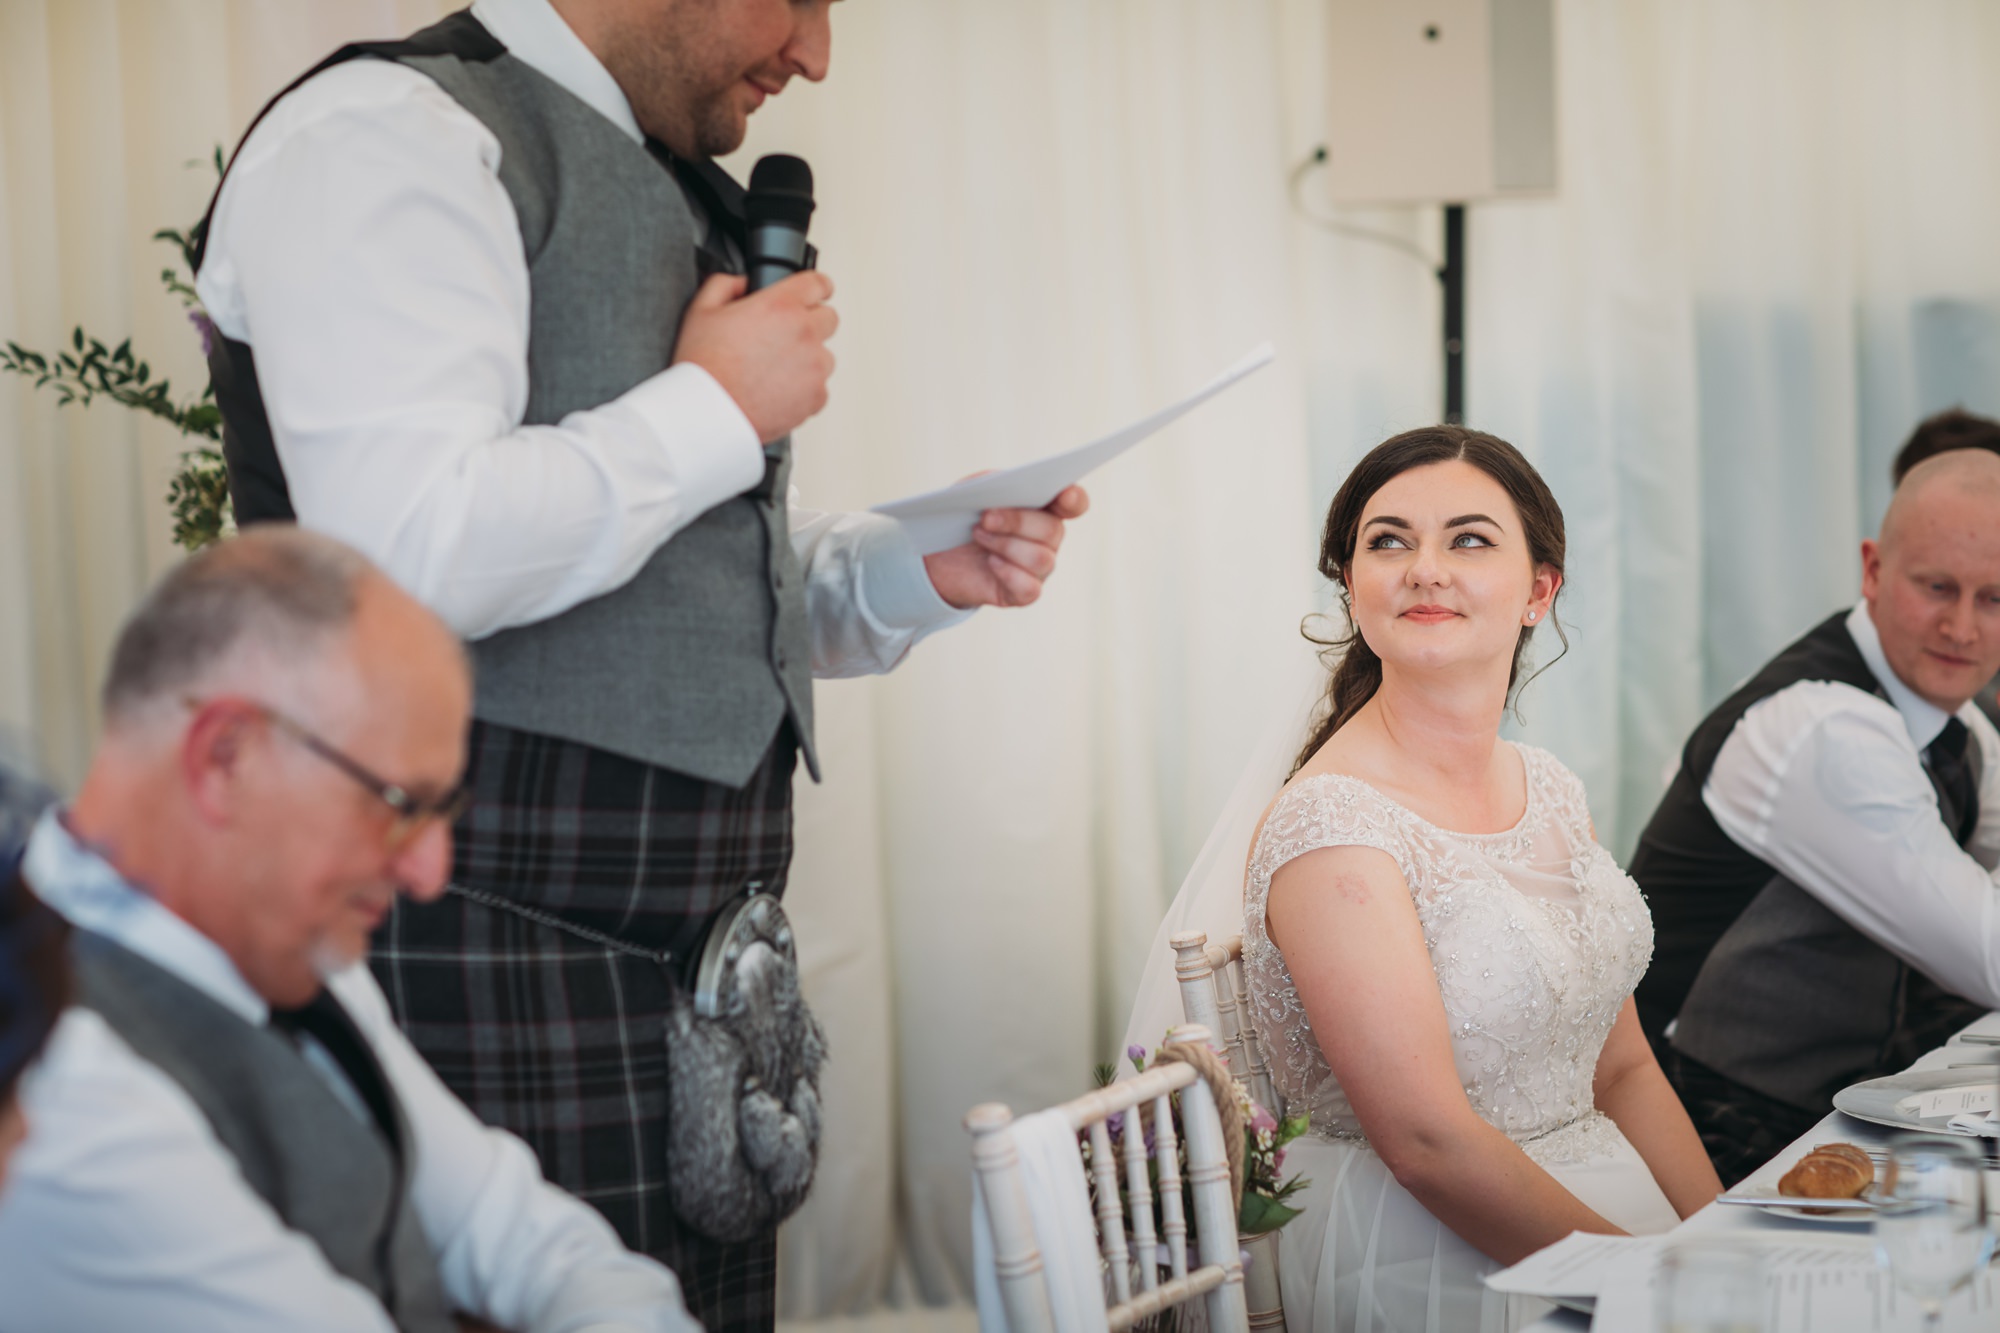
(1357, 671)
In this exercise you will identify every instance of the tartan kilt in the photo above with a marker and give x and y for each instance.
(559, 1036)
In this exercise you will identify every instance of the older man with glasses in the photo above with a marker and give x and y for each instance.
(228, 1130)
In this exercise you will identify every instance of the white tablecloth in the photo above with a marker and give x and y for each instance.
(1750, 1222)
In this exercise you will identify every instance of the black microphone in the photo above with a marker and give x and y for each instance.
(775, 212)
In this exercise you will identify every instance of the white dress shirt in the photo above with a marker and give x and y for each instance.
(1827, 784)
(365, 249)
(124, 1211)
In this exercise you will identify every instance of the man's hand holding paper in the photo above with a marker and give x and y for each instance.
(1011, 554)
(991, 539)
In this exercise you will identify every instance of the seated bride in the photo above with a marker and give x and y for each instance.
(1440, 956)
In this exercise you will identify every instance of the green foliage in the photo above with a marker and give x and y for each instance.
(1261, 1213)
(89, 370)
(199, 497)
(1265, 1206)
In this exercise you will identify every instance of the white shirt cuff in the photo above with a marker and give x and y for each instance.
(712, 450)
(895, 588)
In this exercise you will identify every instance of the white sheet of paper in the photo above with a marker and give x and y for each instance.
(1573, 1268)
(940, 520)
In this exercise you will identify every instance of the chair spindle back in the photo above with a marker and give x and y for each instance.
(1217, 1274)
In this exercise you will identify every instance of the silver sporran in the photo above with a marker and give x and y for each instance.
(743, 1060)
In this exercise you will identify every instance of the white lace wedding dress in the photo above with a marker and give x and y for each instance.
(1537, 938)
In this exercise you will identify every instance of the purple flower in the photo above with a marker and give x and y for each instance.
(1278, 1163)
(204, 326)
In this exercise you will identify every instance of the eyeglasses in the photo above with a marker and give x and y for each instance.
(412, 813)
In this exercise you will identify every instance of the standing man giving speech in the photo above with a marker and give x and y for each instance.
(476, 319)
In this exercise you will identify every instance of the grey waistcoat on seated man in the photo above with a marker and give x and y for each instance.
(1763, 983)
(327, 1173)
(1797, 1004)
(695, 663)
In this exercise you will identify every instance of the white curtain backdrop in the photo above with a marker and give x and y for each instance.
(1770, 255)
(109, 113)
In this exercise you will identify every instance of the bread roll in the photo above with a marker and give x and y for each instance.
(1858, 1156)
(1830, 1171)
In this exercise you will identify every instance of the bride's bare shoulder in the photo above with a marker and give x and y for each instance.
(1355, 754)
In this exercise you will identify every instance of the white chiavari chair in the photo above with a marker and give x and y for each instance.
(1217, 1274)
(1215, 995)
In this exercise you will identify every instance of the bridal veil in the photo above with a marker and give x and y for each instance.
(1211, 896)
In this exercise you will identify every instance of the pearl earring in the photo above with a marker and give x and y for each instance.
(1532, 615)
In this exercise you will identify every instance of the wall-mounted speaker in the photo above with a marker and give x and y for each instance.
(1436, 101)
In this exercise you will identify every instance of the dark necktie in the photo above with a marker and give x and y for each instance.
(327, 1023)
(1952, 768)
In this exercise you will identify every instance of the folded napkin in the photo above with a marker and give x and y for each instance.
(1987, 1126)
(1971, 1106)
(1065, 1231)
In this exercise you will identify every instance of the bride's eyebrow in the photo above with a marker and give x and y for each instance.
(1391, 521)
(1465, 520)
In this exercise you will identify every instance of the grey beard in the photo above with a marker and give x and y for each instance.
(328, 959)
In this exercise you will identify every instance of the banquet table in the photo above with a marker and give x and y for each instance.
(1756, 1227)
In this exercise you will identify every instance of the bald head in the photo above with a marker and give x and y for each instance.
(1954, 487)
(1932, 579)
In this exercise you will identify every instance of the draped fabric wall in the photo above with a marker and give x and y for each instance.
(1769, 257)
(1766, 265)
(109, 113)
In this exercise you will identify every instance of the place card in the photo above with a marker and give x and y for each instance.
(1975, 1099)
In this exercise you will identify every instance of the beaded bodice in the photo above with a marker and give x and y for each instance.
(1536, 936)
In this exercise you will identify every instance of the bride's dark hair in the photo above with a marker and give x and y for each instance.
(1357, 671)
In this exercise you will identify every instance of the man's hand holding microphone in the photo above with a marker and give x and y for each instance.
(764, 337)
(766, 349)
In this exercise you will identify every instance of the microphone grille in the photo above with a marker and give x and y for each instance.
(780, 191)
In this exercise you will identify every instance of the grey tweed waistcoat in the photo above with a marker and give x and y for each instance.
(695, 663)
(326, 1172)
(1765, 984)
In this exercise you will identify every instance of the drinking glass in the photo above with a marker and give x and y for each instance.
(1709, 1284)
(1930, 1230)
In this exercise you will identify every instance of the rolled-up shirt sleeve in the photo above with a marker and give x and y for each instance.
(1823, 783)
(365, 249)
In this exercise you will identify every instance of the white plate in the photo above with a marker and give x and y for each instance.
(1875, 1101)
(1845, 1217)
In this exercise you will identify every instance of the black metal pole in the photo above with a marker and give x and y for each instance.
(1453, 277)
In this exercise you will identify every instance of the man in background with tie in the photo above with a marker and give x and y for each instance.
(227, 1132)
(1821, 871)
